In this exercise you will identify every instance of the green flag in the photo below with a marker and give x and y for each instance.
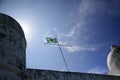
(51, 40)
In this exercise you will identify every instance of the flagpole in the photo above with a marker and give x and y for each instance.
(59, 45)
(63, 57)
(55, 40)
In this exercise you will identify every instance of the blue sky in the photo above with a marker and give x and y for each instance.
(90, 26)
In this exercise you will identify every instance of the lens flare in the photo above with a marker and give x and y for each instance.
(25, 24)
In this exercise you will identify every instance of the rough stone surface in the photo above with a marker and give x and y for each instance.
(12, 48)
(56, 75)
(8, 75)
(12, 42)
(12, 58)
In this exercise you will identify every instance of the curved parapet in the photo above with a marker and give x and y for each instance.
(12, 42)
(113, 61)
(7, 20)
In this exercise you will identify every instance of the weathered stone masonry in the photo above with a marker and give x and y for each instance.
(13, 56)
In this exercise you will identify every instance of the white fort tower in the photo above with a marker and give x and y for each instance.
(113, 61)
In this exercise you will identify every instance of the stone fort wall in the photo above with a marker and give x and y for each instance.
(57, 75)
(12, 58)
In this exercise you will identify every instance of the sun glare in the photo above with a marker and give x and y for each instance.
(26, 28)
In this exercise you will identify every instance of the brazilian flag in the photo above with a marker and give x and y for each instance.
(51, 40)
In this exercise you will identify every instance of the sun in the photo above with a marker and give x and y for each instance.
(26, 28)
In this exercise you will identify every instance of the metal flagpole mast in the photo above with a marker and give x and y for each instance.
(60, 51)
(63, 56)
